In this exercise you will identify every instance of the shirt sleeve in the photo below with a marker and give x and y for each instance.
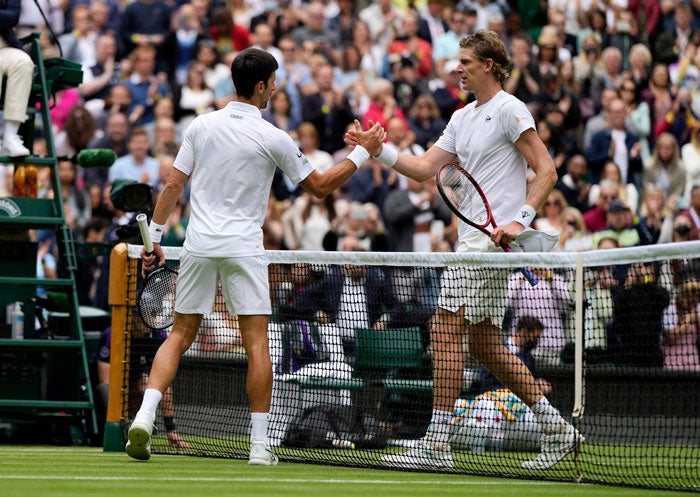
(447, 139)
(287, 156)
(184, 161)
(515, 119)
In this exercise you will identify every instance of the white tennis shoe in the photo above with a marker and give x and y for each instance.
(139, 444)
(425, 455)
(14, 147)
(262, 455)
(556, 445)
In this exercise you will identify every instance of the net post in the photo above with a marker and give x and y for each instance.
(114, 433)
(579, 339)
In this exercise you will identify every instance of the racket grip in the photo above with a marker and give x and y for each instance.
(142, 221)
(529, 275)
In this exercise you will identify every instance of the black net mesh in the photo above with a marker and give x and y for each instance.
(355, 363)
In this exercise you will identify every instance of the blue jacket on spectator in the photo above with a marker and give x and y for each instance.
(325, 295)
(599, 152)
(9, 17)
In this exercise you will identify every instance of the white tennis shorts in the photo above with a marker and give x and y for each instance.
(244, 283)
(481, 290)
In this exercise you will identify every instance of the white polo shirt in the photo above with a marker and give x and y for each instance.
(484, 140)
(231, 155)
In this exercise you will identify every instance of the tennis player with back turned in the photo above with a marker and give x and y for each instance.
(493, 138)
(231, 155)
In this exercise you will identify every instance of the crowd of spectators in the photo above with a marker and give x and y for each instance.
(613, 86)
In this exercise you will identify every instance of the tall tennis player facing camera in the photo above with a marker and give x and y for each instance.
(494, 140)
(234, 153)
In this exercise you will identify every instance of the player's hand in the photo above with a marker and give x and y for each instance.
(371, 139)
(504, 235)
(350, 137)
(151, 261)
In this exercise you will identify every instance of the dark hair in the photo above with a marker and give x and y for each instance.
(530, 323)
(251, 66)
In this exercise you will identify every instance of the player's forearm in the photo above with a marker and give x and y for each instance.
(540, 189)
(414, 167)
(166, 202)
(323, 184)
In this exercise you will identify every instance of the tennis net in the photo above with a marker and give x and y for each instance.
(612, 334)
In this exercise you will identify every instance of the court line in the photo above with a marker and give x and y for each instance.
(267, 480)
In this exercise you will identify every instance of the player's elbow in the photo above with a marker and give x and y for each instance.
(321, 191)
(319, 185)
(172, 188)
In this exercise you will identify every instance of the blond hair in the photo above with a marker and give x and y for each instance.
(488, 45)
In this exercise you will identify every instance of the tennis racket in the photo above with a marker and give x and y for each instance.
(466, 199)
(156, 300)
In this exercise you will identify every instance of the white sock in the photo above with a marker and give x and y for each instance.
(151, 399)
(11, 128)
(439, 429)
(546, 415)
(258, 421)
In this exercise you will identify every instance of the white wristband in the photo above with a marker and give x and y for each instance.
(389, 155)
(156, 231)
(358, 156)
(525, 215)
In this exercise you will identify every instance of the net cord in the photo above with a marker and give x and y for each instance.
(594, 258)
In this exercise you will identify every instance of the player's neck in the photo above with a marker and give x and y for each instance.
(250, 101)
(486, 93)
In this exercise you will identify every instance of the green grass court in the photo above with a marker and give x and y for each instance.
(48, 471)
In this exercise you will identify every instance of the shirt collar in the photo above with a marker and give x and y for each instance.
(244, 108)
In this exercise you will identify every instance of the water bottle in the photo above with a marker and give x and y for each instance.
(17, 321)
(343, 444)
(338, 442)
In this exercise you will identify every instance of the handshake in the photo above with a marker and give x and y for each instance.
(371, 141)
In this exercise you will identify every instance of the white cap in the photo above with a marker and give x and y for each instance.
(450, 66)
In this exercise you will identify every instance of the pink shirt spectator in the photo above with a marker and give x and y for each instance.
(65, 101)
(375, 113)
(547, 301)
(680, 339)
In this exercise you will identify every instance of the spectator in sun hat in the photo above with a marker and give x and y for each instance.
(549, 52)
(448, 93)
